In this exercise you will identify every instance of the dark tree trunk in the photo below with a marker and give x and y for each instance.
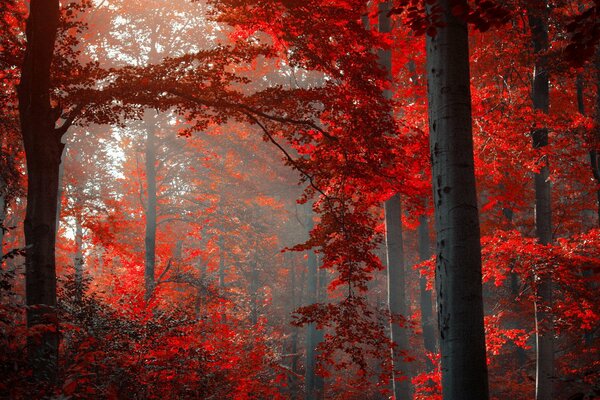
(595, 150)
(458, 248)
(150, 240)
(543, 210)
(43, 150)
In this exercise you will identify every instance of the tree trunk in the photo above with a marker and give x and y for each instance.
(43, 149)
(311, 329)
(427, 321)
(320, 333)
(394, 248)
(78, 259)
(396, 299)
(458, 248)
(222, 275)
(543, 211)
(294, 336)
(150, 240)
(595, 150)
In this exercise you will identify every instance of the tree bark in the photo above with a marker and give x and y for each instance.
(150, 240)
(595, 149)
(543, 210)
(458, 247)
(43, 150)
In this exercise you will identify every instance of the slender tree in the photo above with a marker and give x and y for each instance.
(310, 376)
(538, 22)
(458, 248)
(78, 258)
(150, 239)
(394, 247)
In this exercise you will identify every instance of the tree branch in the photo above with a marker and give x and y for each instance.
(69, 120)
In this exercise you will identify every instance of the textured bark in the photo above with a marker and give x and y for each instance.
(595, 150)
(543, 211)
(150, 240)
(43, 149)
(458, 248)
(427, 321)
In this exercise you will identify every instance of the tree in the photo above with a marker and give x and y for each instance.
(43, 149)
(458, 248)
(395, 249)
(543, 208)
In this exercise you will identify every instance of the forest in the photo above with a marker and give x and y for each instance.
(300, 199)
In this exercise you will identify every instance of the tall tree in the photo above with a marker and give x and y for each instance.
(150, 238)
(310, 375)
(538, 22)
(43, 150)
(595, 150)
(458, 248)
(394, 246)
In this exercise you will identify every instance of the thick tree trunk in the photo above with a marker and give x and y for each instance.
(150, 240)
(543, 211)
(595, 150)
(458, 248)
(43, 149)
(427, 321)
